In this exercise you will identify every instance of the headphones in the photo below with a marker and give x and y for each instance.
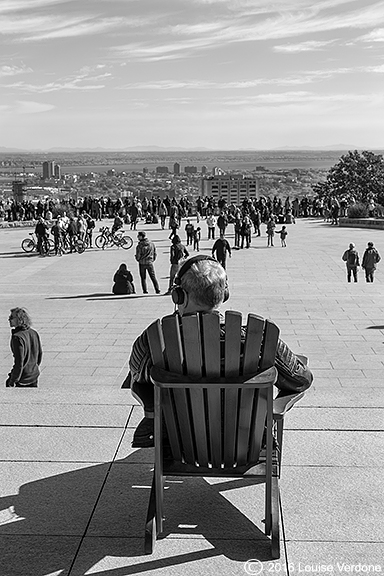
(177, 293)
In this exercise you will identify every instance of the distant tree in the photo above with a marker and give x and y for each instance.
(357, 174)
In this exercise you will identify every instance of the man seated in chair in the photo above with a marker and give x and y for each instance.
(200, 286)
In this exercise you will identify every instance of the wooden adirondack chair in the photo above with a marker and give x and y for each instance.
(214, 397)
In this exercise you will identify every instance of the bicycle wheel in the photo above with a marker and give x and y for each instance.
(80, 246)
(126, 242)
(100, 241)
(51, 246)
(28, 245)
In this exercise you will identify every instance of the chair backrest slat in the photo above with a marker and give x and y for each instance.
(252, 345)
(232, 343)
(271, 337)
(212, 346)
(214, 419)
(230, 413)
(183, 416)
(173, 344)
(192, 346)
(259, 416)
(156, 343)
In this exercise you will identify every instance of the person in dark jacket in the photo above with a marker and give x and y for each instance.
(146, 256)
(351, 259)
(204, 286)
(177, 252)
(370, 258)
(26, 349)
(220, 249)
(123, 281)
(41, 231)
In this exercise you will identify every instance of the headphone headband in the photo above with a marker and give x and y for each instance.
(188, 264)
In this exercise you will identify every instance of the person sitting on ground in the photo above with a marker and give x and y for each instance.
(203, 282)
(26, 349)
(123, 281)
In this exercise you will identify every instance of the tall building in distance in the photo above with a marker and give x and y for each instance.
(18, 190)
(232, 188)
(162, 170)
(48, 170)
(190, 170)
(204, 170)
(57, 172)
(176, 168)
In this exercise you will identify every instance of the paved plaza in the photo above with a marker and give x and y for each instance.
(74, 493)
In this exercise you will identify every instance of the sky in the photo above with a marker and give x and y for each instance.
(217, 74)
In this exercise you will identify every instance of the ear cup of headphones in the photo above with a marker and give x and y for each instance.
(177, 295)
(226, 293)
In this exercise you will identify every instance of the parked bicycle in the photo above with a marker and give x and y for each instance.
(30, 244)
(77, 244)
(119, 239)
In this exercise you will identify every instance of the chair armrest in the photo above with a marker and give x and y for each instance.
(282, 403)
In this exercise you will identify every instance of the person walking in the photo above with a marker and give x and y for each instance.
(220, 249)
(26, 349)
(351, 259)
(177, 252)
(146, 256)
(370, 258)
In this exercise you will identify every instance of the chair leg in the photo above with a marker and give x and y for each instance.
(275, 519)
(150, 525)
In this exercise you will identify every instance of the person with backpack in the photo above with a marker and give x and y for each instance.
(177, 252)
(351, 259)
(370, 259)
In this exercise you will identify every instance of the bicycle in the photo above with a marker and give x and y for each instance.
(77, 245)
(30, 244)
(119, 239)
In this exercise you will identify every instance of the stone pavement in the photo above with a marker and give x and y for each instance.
(73, 491)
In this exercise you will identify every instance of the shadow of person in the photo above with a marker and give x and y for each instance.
(69, 522)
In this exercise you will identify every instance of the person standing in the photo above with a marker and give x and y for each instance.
(26, 349)
(270, 231)
(211, 223)
(283, 234)
(196, 239)
(146, 256)
(41, 231)
(370, 259)
(189, 230)
(220, 249)
(177, 252)
(351, 259)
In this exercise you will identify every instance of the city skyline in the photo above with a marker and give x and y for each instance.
(214, 74)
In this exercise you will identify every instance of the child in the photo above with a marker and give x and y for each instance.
(283, 234)
(196, 239)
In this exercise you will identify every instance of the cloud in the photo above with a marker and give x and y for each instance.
(14, 70)
(376, 35)
(308, 46)
(29, 107)
(23, 5)
(55, 86)
(251, 22)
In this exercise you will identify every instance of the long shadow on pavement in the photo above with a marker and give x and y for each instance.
(69, 522)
